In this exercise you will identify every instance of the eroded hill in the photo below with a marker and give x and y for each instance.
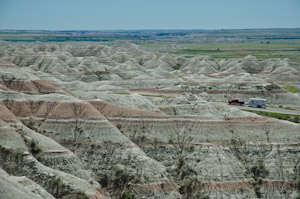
(93, 121)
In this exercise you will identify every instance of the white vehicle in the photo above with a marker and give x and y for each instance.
(257, 102)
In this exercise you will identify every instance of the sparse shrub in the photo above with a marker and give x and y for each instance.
(121, 179)
(272, 87)
(170, 141)
(34, 149)
(119, 126)
(104, 180)
(296, 119)
(81, 195)
(30, 123)
(252, 68)
(101, 73)
(202, 196)
(127, 194)
(259, 87)
(257, 191)
(88, 73)
(281, 116)
(186, 187)
(259, 172)
(259, 181)
(188, 184)
(176, 67)
(298, 184)
(290, 88)
(98, 73)
(21, 132)
(142, 138)
(57, 180)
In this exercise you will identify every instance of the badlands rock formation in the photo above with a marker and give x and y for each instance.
(95, 121)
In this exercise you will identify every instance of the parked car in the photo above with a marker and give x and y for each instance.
(236, 102)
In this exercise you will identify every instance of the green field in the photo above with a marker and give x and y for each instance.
(262, 43)
(261, 49)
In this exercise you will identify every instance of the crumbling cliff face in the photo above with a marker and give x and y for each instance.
(119, 122)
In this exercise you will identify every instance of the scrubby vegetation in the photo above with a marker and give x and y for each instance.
(127, 194)
(32, 144)
(35, 149)
(258, 172)
(147, 130)
(281, 116)
(290, 88)
(117, 181)
(272, 87)
(151, 95)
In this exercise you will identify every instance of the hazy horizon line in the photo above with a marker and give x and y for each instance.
(146, 29)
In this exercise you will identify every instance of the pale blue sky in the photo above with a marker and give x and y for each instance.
(148, 14)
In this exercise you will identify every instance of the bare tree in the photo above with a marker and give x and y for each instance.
(181, 140)
(49, 107)
(38, 86)
(12, 83)
(77, 109)
(34, 107)
(267, 131)
(8, 103)
(7, 81)
(14, 106)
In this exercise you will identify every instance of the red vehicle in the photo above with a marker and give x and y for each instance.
(235, 102)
